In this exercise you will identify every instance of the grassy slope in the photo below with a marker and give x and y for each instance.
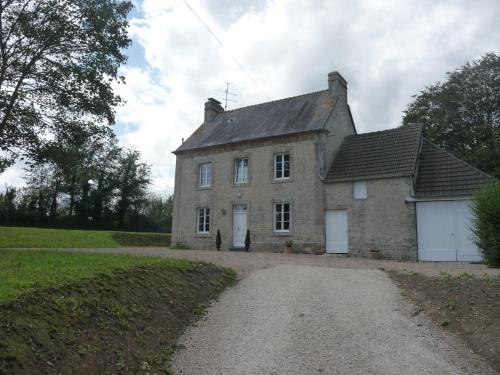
(25, 271)
(102, 313)
(14, 237)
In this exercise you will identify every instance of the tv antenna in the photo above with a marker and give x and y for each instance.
(227, 93)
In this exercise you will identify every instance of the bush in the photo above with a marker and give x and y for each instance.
(486, 223)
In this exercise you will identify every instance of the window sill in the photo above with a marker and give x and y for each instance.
(282, 234)
(282, 181)
(204, 188)
(203, 235)
(243, 184)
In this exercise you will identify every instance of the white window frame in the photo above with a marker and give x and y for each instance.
(203, 220)
(241, 174)
(359, 190)
(282, 221)
(204, 177)
(281, 162)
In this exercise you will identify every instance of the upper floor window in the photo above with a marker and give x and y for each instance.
(205, 175)
(204, 220)
(282, 166)
(241, 171)
(360, 190)
(282, 217)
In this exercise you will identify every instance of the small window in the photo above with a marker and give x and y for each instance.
(241, 171)
(205, 175)
(282, 217)
(282, 166)
(360, 190)
(204, 220)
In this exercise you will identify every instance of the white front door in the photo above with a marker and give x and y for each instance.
(336, 232)
(444, 232)
(239, 225)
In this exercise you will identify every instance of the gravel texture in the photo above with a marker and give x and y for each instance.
(296, 319)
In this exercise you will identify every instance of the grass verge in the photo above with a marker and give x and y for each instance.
(21, 237)
(125, 319)
(466, 305)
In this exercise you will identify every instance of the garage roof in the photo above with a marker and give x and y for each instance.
(442, 174)
(387, 153)
(308, 112)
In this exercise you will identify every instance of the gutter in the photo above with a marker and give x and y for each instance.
(435, 199)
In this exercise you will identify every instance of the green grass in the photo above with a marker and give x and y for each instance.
(23, 271)
(18, 237)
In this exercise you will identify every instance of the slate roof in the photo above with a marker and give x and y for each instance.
(387, 153)
(304, 113)
(442, 174)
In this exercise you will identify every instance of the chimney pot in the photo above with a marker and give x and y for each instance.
(212, 109)
(337, 86)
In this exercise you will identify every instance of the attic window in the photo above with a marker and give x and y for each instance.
(230, 119)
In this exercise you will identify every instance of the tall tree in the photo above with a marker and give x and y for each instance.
(58, 62)
(463, 113)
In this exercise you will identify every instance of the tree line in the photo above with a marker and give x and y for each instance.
(96, 185)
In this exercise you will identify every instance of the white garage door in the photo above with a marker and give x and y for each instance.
(336, 232)
(444, 232)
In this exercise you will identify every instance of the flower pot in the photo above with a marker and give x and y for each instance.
(288, 250)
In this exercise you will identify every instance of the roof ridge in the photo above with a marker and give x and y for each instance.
(274, 101)
(384, 130)
(456, 158)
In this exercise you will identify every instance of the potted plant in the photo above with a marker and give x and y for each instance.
(218, 240)
(289, 247)
(247, 241)
(374, 253)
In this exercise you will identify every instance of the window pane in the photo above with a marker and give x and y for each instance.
(279, 207)
(209, 174)
(286, 225)
(277, 223)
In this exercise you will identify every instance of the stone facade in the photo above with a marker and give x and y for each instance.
(384, 220)
(304, 192)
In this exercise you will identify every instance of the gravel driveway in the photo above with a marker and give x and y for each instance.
(299, 319)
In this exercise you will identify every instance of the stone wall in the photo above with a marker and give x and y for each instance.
(384, 220)
(304, 191)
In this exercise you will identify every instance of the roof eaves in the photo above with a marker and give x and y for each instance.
(367, 177)
(177, 152)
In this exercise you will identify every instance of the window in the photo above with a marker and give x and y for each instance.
(282, 166)
(241, 171)
(204, 220)
(205, 175)
(282, 217)
(360, 191)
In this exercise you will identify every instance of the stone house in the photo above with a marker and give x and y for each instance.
(296, 169)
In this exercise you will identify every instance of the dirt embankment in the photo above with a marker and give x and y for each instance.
(125, 323)
(466, 305)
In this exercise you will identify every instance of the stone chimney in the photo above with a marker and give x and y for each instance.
(337, 86)
(212, 109)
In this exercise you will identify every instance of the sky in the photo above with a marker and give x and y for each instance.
(387, 51)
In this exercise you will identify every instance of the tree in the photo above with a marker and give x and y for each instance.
(58, 62)
(486, 222)
(462, 114)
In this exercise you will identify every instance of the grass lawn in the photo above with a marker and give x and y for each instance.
(22, 271)
(18, 237)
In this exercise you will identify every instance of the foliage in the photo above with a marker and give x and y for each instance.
(59, 60)
(218, 240)
(247, 240)
(96, 185)
(13, 237)
(463, 114)
(24, 271)
(486, 228)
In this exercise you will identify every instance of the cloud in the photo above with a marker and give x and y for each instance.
(388, 50)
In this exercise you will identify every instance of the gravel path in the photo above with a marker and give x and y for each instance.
(299, 319)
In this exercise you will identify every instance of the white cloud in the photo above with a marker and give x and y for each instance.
(388, 50)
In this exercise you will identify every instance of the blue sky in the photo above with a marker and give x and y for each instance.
(387, 50)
